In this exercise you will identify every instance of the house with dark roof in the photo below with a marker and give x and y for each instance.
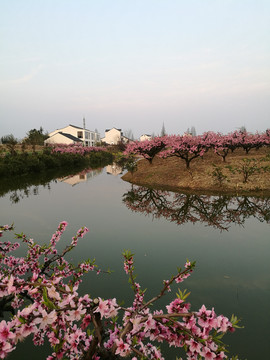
(145, 137)
(72, 134)
(114, 136)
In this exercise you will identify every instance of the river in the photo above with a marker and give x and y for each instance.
(228, 238)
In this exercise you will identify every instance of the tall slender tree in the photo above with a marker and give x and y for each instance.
(163, 131)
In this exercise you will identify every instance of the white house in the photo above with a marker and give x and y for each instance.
(62, 138)
(73, 134)
(114, 136)
(145, 137)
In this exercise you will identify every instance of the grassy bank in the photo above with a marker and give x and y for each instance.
(43, 161)
(208, 174)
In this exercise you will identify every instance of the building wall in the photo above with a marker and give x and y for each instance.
(145, 137)
(112, 137)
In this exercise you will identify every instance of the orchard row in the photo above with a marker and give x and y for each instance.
(189, 147)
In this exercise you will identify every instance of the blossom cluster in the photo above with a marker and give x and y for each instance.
(76, 149)
(189, 147)
(147, 149)
(41, 290)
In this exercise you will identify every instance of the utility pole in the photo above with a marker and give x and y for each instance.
(83, 131)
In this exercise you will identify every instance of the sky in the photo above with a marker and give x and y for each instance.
(134, 65)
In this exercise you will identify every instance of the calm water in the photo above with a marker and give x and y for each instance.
(163, 230)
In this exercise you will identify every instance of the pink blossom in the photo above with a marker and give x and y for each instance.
(45, 318)
(77, 314)
(194, 346)
(137, 325)
(52, 293)
(123, 349)
(10, 288)
(5, 348)
(102, 307)
(208, 354)
(150, 323)
(5, 332)
(53, 286)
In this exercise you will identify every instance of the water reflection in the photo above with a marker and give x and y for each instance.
(216, 211)
(17, 195)
(20, 188)
(80, 177)
(114, 169)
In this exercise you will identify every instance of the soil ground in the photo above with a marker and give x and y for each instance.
(172, 174)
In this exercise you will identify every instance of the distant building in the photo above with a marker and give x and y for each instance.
(114, 136)
(73, 134)
(145, 137)
(187, 134)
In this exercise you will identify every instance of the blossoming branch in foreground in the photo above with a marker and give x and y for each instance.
(41, 291)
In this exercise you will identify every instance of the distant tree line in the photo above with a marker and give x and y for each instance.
(33, 137)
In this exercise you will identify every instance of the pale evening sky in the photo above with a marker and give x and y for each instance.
(134, 64)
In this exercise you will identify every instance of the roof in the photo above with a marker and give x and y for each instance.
(112, 129)
(77, 127)
(71, 137)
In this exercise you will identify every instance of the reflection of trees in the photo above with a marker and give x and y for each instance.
(19, 194)
(23, 187)
(26, 186)
(217, 211)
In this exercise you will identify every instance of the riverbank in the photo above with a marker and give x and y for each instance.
(208, 174)
(29, 163)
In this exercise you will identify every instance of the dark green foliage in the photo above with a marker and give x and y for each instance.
(98, 158)
(127, 162)
(10, 141)
(248, 167)
(35, 137)
(218, 175)
(27, 163)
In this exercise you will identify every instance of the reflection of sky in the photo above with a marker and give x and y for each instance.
(134, 65)
(232, 271)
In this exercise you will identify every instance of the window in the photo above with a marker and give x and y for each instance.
(80, 134)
